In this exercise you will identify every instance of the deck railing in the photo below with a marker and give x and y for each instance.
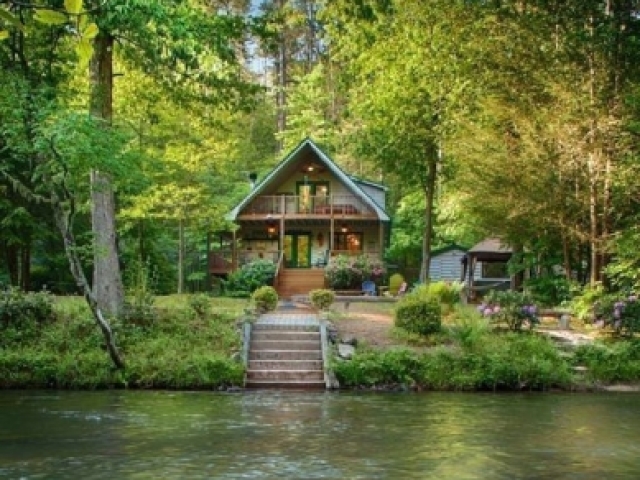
(221, 261)
(314, 205)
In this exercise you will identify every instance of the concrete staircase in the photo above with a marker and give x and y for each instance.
(299, 281)
(285, 356)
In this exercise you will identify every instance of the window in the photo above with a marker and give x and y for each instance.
(348, 241)
(495, 270)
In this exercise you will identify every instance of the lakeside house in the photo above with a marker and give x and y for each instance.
(302, 213)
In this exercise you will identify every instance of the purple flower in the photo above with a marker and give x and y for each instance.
(632, 298)
(488, 311)
(481, 307)
(617, 313)
(532, 309)
(619, 305)
(496, 309)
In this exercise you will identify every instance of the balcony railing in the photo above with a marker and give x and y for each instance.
(221, 261)
(314, 205)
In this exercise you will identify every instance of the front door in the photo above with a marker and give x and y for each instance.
(297, 250)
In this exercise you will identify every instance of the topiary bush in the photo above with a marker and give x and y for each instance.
(418, 314)
(321, 298)
(447, 293)
(265, 299)
(395, 281)
(250, 277)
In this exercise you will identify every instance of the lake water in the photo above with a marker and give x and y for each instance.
(264, 435)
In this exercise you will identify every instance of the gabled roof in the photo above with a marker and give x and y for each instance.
(448, 248)
(327, 161)
(490, 249)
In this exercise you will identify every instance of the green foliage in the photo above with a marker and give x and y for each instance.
(139, 304)
(179, 350)
(469, 327)
(347, 273)
(200, 305)
(25, 310)
(395, 281)
(624, 270)
(614, 362)
(550, 291)
(623, 315)
(447, 293)
(321, 298)
(590, 304)
(265, 299)
(396, 366)
(250, 277)
(499, 362)
(418, 314)
(515, 309)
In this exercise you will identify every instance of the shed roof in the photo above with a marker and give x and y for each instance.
(490, 249)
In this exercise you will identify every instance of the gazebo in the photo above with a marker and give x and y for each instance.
(488, 251)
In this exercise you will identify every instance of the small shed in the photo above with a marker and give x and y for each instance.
(491, 256)
(445, 263)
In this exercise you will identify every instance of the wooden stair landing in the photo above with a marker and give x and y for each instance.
(299, 281)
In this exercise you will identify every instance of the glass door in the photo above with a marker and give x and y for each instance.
(313, 197)
(297, 250)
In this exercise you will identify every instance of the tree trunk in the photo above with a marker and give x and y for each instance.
(107, 278)
(25, 265)
(75, 264)
(281, 65)
(432, 164)
(181, 249)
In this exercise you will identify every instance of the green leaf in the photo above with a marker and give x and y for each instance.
(10, 18)
(50, 17)
(74, 7)
(90, 32)
(84, 50)
(4, 34)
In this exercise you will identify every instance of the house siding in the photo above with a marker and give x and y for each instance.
(446, 266)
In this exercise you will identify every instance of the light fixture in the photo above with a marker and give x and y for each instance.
(271, 229)
(344, 228)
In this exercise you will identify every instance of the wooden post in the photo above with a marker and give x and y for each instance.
(283, 206)
(234, 252)
(380, 240)
(332, 226)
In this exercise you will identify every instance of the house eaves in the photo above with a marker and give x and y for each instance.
(330, 164)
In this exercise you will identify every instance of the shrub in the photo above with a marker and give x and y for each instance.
(447, 293)
(618, 362)
(550, 291)
(344, 272)
(515, 309)
(200, 305)
(18, 308)
(321, 298)
(250, 277)
(395, 282)
(624, 315)
(469, 327)
(590, 304)
(418, 314)
(265, 299)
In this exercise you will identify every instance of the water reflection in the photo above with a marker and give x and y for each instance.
(260, 435)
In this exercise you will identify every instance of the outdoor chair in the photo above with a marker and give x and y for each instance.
(369, 288)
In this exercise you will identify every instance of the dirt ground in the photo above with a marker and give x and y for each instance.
(369, 324)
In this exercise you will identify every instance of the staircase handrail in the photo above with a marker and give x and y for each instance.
(276, 278)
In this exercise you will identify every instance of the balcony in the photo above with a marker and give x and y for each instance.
(310, 206)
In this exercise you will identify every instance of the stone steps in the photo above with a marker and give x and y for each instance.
(285, 355)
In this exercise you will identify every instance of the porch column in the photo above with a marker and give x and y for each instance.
(380, 240)
(234, 252)
(331, 226)
(282, 214)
